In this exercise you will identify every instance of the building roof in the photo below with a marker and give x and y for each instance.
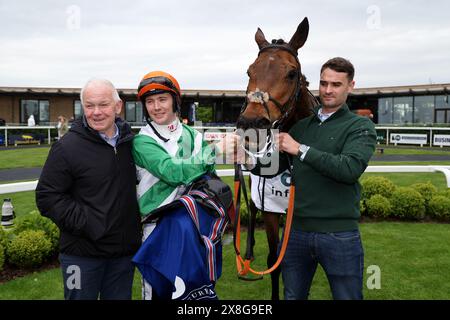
(395, 90)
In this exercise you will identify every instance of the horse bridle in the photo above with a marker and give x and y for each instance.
(263, 97)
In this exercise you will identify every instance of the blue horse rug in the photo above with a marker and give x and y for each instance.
(182, 258)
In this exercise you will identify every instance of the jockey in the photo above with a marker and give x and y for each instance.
(168, 154)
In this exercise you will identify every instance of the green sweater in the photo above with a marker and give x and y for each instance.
(327, 189)
(163, 168)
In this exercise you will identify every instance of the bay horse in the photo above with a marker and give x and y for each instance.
(277, 97)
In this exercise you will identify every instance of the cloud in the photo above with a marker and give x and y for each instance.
(209, 45)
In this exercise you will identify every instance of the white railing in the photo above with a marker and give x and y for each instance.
(48, 128)
(18, 187)
(31, 185)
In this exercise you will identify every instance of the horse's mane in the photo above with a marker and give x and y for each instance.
(278, 41)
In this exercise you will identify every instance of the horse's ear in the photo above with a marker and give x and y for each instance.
(300, 36)
(260, 39)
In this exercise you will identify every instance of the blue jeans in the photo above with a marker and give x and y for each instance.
(93, 278)
(340, 254)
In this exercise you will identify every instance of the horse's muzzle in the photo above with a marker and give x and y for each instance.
(253, 123)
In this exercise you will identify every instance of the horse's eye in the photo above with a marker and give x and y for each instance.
(248, 73)
(292, 74)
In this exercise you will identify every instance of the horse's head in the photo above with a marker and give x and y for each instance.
(275, 81)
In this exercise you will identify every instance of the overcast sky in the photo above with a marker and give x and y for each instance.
(209, 44)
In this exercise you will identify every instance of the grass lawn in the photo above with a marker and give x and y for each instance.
(414, 259)
(410, 163)
(23, 202)
(23, 157)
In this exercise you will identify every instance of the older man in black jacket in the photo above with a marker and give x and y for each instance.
(88, 188)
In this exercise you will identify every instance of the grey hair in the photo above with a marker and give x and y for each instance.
(105, 82)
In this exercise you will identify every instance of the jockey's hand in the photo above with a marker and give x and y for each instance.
(286, 143)
(228, 147)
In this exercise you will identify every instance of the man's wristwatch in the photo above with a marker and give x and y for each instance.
(302, 149)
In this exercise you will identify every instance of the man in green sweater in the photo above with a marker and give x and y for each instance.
(331, 149)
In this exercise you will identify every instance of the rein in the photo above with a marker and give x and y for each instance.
(244, 265)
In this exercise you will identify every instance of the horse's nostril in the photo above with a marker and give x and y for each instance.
(242, 123)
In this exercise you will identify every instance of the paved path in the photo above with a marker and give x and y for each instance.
(20, 174)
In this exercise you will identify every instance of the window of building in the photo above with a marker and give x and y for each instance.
(40, 109)
(77, 109)
(402, 111)
(134, 112)
(424, 109)
(442, 111)
(442, 115)
(231, 110)
(385, 110)
(442, 102)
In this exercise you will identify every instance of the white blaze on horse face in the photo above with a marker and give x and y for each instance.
(271, 58)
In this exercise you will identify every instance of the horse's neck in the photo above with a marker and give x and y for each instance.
(302, 110)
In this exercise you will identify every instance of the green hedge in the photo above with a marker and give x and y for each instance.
(439, 206)
(445, 193)
(2, 256)
(31, 240)
(3, 237)
(378, 206)
(380, 198)
(408, 203)
(427, 191)
(28, 249)
(376, 185)
(35, 221)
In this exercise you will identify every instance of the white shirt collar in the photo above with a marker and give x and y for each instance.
(167, 129)
(324, 116)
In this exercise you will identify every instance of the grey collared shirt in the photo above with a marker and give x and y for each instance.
(113, 140)
(324, 116)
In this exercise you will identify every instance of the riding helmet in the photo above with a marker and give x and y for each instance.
(156, 82)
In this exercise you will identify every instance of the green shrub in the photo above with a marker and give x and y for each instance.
(378, 206)
(35, 221)
(445, 193)
(408, 203)
(440, 207)
(376, 185)
(427, 190)
(2, 256)
(28, 249)
(3, 237)
(362, 207)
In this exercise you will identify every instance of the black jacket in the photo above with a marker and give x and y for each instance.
(88, 188)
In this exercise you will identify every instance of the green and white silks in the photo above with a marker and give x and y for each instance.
(163, 168)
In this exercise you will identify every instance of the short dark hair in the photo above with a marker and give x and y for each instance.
(339, 64)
